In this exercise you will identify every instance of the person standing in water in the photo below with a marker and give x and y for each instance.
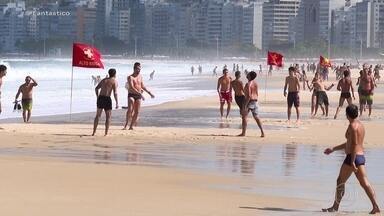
(104, 101)
(3, 72)
(251, 92)
(224, 91)
(26, 101)
(354, 161)
(135, 95)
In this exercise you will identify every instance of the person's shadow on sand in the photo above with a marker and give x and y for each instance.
(275, 209)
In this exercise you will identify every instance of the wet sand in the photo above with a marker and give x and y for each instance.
(184, 160)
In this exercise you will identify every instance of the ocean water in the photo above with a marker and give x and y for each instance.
(172, 81)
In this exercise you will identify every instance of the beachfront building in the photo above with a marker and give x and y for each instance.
(120, 24)
(86, 23)
(253, 24)
(13, 25)
(344, 25)
(277, 16)
(314, 20)
(369, 24)
(103, 12)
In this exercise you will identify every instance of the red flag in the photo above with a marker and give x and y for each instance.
(275, 58)
(325, 62)
(86, 56)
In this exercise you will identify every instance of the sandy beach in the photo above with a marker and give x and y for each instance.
(182, 159)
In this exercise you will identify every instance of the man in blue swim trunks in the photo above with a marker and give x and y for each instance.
(354, 161)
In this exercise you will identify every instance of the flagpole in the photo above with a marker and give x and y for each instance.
(70, 106)
(265, 87)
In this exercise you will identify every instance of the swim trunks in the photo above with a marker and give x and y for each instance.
(359, 160)
(293, 99)
(240, 101)
(226, 96)
(104, 102)
(253, 107)
(345, 95)
(27, 104)
(322, 98)
(366, 97)
(134, 96)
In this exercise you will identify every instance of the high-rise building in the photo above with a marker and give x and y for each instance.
(369, 23)
(252, 24)
(103, 13)
(86, 23)
(120, 24)
(277, 15)
(13, 25)
(314, 19)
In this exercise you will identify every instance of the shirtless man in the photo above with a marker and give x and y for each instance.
(346, 87)
(3, 72)
(26, 101)
(251, 92)
(135, 95)
(224, 91)
(293, 84)
(238, 88)
(104, 101)
(354, 161)
(314, 94)
(322, 97)
(366, 94)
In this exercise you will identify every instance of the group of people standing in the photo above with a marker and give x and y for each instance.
(107, 86)
(246, 97)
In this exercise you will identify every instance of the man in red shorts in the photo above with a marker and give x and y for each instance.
(224, 91)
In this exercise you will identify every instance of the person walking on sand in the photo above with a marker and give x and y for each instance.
(192, 70)
(224, 91)
(135, 95)
(238, 88)
(26, 100)
(293, 98)
(251, 92)
(3, 72)
(104, 101)
(346, 87)
(354, 161)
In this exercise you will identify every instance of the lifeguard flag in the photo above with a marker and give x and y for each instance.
(275, 58)
(325, 62)
(86, 56)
